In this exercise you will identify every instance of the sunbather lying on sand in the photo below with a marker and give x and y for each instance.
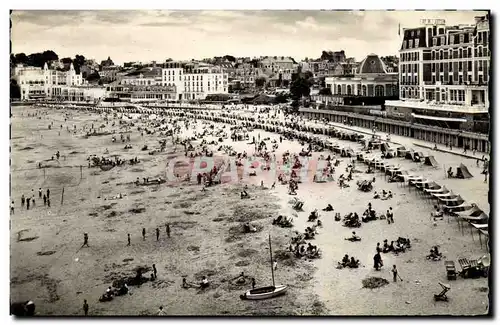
(354, 237)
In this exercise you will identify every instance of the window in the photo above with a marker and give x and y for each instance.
(452, 39)
(410, 45)
(418, 32)
(485, 51)
(461, 38)
(417, 42)
(469, 65)
(469, 52)
(442, 40)
(434, 41)
(412, 34)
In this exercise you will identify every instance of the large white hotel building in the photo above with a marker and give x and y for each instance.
(445, 69)
(194, 81)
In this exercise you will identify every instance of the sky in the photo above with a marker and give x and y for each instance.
(146, 35)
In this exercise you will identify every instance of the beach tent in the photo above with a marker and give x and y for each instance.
(463, 172)
(409, 155)
(431, 161)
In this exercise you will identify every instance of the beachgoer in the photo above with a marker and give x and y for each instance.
(204, 282)
(143, 233)
(48, 202)
(253, 283)
(40, 193)
(85, 307)
(85, 240)
(275, 265)
(154, 270)
(12, 208)
(394, 273)
(157, 234)
(44, 200)
(48, 193)
(22, 201)
(160, 311)
(168, 230)
(128, 239)
(184, 283)
(28, 203)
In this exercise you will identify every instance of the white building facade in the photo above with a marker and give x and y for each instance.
(194, 81)
(50, 84)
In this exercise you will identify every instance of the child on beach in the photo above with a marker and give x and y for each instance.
(394, 273)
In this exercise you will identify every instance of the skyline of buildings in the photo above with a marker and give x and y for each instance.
(201, 34)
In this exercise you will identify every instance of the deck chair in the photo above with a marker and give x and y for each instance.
(451, 271)
(442, 295)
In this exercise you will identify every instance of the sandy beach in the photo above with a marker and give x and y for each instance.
(49, 266)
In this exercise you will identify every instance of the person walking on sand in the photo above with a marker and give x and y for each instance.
(168, 230)
(394, 273)
(23, 199)
(44, 200)
(128, 239)
(12, 208)
(48, 194)
(157, 234)
(143, 233)
(39, 192)
(48, 202)
(377, 261)
(253, 283)
(85, 307)
(85, 240)
(27, 203)
(154, 270)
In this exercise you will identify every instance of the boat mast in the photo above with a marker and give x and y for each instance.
(271, 252)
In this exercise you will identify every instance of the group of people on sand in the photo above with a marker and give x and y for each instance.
(30, 200)
(351, 263)
(398, 246)
(384, 196)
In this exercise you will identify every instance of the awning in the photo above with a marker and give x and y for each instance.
(437, 118)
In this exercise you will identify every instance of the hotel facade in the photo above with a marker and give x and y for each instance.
(52, 84)
(194, 81)
(444, 93)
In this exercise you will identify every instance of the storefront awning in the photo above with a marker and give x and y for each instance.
(438, 118)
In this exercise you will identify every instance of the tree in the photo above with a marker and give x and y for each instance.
(323, 83)
(260, 82)
(20, 58)
(15, 91)
(230, 58)
(299, 88)
(67, 60)
(281, 98)
(78, 62)
(325, 92)
(93, 77)
(50, 55)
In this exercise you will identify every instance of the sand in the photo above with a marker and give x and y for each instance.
(205, 239)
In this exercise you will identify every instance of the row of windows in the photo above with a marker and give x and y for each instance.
(460, 53)
(410, 56)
